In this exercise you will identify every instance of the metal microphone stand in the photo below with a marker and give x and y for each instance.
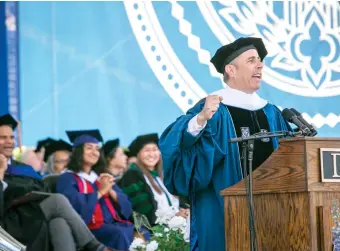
(248, 150)
(248, 146)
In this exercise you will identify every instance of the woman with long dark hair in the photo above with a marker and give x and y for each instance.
(98, 200)
(143, 181)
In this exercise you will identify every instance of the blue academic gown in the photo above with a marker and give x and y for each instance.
(203, 165)
(117, 235)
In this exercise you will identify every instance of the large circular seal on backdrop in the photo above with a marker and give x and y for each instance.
(302, 39)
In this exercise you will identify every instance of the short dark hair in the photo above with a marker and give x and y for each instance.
(111, 154)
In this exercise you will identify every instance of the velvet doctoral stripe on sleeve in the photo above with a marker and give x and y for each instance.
(133, 184)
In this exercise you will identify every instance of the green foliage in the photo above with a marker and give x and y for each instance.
(169, 239)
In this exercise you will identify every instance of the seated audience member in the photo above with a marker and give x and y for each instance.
(40, 152)
(29, 157)
(116, 160)
(57, 156)
(33, 219)
(97, 199)
(143, 181)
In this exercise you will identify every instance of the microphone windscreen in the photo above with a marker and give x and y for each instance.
(288, 114)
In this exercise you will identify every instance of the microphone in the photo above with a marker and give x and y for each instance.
(311, 128)
(292, 118)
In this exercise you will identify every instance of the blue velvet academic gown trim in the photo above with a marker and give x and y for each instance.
(117, 235)
(200, 167)
(23, 170)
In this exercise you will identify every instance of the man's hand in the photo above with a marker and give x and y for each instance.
(212, 103)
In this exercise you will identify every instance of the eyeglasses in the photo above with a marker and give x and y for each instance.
(60, 161)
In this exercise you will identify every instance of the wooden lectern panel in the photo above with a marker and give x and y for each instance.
(313, 164)
(321, 222)
(272, 214)
(292, 205)
(282, 172)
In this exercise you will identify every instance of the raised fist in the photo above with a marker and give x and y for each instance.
(212, 103)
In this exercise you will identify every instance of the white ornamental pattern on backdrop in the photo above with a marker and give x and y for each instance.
(302, 38)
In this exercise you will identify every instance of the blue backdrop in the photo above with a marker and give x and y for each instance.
(130, 67)
(9, 64)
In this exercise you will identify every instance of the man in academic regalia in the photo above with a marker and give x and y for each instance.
(198, 160)
(34, 220)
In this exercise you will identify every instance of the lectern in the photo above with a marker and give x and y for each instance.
(292, 205)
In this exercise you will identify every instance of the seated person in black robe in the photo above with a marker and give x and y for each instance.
(143, 181)
(31, 220)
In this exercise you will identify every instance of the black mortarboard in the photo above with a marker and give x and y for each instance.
(59, 145)
(8, 120)
(229, 52)
(84, 136)
(109, 146)
(141, 141)
(43, 144)
(127, 152)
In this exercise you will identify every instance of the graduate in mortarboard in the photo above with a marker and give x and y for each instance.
(143, 181)
(116, 159)
(33, 222)
(98, 200)
(7, 141)
(198, 160)
(56, 156)
(42, 144)
(18, 179)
